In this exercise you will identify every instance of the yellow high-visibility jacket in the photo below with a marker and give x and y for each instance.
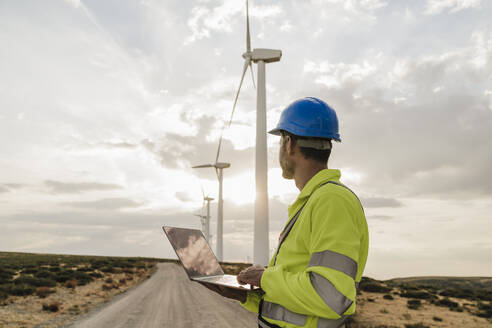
(312, 279)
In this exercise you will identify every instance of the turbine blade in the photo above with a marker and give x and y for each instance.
(245, 68)
(252, 74)
(201, 166)
(220, 144)
(248, 38)
(246, 64)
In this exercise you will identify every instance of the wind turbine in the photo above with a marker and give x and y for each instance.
(219, 167)
(261, 57)
(205, 219)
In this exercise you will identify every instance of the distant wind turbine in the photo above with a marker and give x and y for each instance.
(219, 166)
(205, 219)
(260, 57)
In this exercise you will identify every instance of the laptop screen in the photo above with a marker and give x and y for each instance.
(193, 251)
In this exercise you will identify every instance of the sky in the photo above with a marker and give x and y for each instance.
(106, 105)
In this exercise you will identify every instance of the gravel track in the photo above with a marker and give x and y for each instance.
(169, 299)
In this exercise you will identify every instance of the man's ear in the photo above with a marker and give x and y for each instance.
(288, 146)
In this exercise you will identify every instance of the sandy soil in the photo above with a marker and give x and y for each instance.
(169, 299)
(395, 313)
(27, 311)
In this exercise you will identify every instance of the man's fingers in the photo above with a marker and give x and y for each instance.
(240, 280)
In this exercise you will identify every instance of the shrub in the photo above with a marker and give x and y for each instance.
(483, 314)
(484, 295)
(52, 307)
(84, 269)
(446, 303)
(417, 294)
(374, 287)
(108, 269)
(414, 304)
(415, 325)
(74, 309)
(44, 274)
(36, 282)
(3, 295)
(108, 280)
(21, 290)
(107, 287)
(388, 297)
(71, 284)
(55, 269)
(82, 277)
(96, 275)
(436, 319)
(42, 292)
(6, 276)
(483, 306)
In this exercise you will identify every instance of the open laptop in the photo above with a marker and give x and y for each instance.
(197, 258)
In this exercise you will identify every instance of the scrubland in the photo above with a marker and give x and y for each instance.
(41, 290)
(50, 290)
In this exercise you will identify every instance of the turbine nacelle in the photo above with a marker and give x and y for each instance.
(222, 165)
(265, 55)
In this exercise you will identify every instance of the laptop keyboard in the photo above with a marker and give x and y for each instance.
(226, 279)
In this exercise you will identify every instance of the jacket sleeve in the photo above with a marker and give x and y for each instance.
(252, 302)
(326, 288)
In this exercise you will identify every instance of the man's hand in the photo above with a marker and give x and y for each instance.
(251, 275)
(232, 293)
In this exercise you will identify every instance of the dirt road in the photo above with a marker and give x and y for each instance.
(169, 299)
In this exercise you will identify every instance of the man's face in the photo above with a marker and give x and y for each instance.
(286, 163)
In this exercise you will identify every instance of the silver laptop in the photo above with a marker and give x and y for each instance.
(197, 258)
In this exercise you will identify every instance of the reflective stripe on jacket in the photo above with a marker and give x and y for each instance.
(311, 281)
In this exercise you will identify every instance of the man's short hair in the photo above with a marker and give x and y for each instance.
(319, 155)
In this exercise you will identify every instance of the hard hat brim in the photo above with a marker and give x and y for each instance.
(275, 131)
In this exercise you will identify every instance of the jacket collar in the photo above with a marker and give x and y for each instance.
(317, 180)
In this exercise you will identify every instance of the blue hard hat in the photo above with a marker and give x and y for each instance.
(309, 117)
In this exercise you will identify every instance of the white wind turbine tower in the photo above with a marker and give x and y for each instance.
(219, 166)
(260, 57)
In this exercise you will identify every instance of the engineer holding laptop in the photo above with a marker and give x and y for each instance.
(312, 279)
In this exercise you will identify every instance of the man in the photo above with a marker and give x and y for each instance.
(312, 279)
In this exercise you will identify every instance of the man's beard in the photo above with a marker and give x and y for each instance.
(288, 168)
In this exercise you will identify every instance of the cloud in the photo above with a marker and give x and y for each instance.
(181, 151)
(58, 187)
(204, 20)
(183, 196)
(220, 18)
(380, 202)
(430, 138)
(434, 7)
(105, 204)
(119, 145)
(7, 187)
